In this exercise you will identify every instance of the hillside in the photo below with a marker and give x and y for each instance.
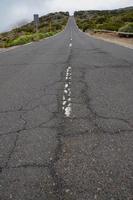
(114, 20)
(49, 25)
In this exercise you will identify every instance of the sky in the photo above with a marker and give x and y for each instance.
(15, 12)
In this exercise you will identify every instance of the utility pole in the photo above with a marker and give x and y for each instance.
(36, 21)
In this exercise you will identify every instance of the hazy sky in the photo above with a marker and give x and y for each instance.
(14, 11)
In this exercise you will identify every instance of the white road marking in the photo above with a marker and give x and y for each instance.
(64, 103)
(27, 44)
(67, 104)
(71, 38)
(70, 45)
(68, 110)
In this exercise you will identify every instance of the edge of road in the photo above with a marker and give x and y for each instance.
(15, 47)
(88, 35)
(110, 41)
(105, 40)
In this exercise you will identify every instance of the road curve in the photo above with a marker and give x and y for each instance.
(66, 119)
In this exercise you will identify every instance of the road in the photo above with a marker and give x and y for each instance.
(66, 119)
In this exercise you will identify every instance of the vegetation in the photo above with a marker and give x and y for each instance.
(23, 39)
(48, 26)
(127, 28)
(114, 20)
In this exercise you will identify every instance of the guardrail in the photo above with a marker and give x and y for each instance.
(125, 34)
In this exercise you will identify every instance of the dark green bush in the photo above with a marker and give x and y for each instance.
(112, 26)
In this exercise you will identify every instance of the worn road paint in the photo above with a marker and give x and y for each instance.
(67, 104)
(27, 44)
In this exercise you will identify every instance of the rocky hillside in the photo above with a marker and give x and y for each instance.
(49, 25)
(114, 20)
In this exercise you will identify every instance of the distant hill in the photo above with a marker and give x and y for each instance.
(57, 20)
(49, 25)
(127, 8)
(113, 20)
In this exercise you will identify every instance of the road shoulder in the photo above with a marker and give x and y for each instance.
(125, 42)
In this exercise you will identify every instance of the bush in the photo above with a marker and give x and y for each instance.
(38, 36)
(127, 28)
(57, 26)
(112, 26)
(85, 27)
(85, 24)
(48, 34)
(20, 40)
(111, 20)
(100, 19)
(28, 38)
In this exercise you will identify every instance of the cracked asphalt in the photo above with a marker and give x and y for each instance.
(45, 155)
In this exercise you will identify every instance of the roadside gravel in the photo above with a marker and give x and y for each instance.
(109, 37)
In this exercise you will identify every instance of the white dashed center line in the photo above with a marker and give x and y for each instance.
(70, 45)
(67, 104)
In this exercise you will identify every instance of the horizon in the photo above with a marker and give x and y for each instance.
(12, 16)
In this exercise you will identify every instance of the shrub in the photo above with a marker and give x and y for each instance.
(127, 28)
(38, 36)
(20, 40)
(112, 26)
(28, 38)
(109, 19)
(100, 19)
(57, 26)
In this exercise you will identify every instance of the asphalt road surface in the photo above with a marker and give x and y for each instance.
(66, 120)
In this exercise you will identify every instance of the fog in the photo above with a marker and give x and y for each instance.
(13, 12)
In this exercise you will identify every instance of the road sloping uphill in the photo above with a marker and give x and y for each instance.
(66, 119)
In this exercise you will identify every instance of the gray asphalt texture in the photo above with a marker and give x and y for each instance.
(45, 155)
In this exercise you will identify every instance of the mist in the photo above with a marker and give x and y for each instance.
(13, 12)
